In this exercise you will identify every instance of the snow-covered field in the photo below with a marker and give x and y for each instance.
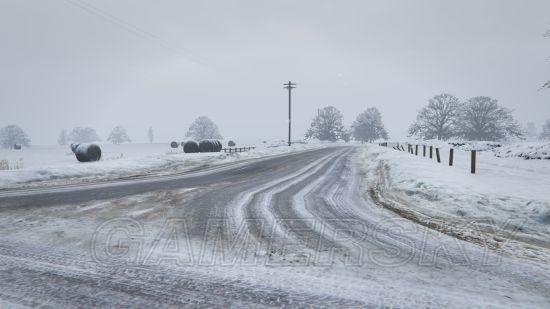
(46, 165)
(511, 194)
(533, 151)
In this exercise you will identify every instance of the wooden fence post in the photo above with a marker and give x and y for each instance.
(451, 154)
(431, 152)
(473, 168)
(437, 155)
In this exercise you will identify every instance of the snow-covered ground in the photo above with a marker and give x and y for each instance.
(534, 151)
(511, 192)
(337, 250)
(46, 165)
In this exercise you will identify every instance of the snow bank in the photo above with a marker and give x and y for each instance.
(525, 150)
(503, 190)
(51, 165)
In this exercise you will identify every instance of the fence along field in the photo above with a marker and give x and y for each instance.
(436, 153)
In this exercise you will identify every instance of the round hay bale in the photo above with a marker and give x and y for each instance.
(216, 145)
(210, 145)
(86, 152)
(174, 144)
(204, 146)
(191, 147)
(231, 144)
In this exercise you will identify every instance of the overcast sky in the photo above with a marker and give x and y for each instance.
(162, 63)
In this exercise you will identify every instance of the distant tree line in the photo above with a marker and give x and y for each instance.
(443, 118)
(12, 135)
(88, 135)
(328, 125)
(479, 118)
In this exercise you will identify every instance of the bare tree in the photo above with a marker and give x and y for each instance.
(368, 126)
(83, 135)
(118, 136)
(12, 135)
(150, 135)
(438, 119)
(203, 128)
(483, 119)
(327, 125)
(63, 138)
(545, 135)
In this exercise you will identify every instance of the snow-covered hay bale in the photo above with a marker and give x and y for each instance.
(231, 144)
(86, 152)
(190, 147)
(174, 144)
(205, 146)
(219, 146)
(210, 145)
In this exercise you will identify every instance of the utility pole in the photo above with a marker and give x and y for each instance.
(290, 85)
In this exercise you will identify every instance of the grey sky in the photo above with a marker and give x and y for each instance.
(62, 66)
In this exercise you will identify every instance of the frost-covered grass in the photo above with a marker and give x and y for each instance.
(503, 189)
(47, 165)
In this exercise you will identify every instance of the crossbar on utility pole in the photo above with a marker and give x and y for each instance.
(290, 85)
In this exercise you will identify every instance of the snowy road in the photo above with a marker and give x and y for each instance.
(296, 230)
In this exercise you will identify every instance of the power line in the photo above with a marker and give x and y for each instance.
(93, 10)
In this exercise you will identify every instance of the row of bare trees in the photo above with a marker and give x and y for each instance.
(445, 117)
(201, 128)
(478, 118)
(88, 135)
(12, 135)
(328, 125)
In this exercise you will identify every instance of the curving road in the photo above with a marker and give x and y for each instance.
(295, 230)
